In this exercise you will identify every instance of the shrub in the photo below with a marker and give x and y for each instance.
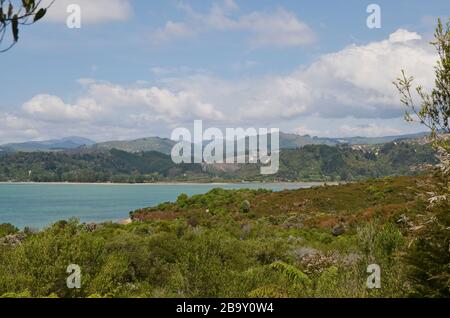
(7, 229)
(245, 206)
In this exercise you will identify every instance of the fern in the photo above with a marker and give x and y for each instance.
(327, 284)
(267, 292)
(293, 274)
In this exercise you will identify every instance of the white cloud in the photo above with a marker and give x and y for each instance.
(108, 104)
(92, 11)
(165, 104)
(351, 127)
(52, 108)
(280, 28)
(402, 35)
(15, 128)
(358, 79)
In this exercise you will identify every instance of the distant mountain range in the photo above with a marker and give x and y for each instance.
(47, 145)
(292, 141)
(164, 145)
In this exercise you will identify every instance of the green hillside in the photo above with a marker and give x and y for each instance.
(310, 163)
(162, 145)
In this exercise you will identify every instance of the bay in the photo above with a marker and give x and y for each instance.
(38, 205)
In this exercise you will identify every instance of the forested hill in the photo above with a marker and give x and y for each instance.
(164, 145)
(312, 162)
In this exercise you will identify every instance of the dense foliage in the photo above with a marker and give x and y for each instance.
(97, 166)
(309, 163)
(429, 259)
(345, 163)
(240, 243)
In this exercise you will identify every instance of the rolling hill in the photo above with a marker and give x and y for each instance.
(162, 145)
(309, 163)
(48, 145)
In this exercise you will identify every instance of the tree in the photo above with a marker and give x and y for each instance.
(13, 15)
(429, 257)
(434, 110)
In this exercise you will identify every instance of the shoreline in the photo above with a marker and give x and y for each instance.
(171, 183)
(123, 220)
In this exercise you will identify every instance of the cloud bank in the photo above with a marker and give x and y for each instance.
(351, 91)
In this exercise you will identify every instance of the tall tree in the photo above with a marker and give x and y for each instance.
(429, 257)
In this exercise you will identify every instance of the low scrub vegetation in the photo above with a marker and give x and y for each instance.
(238, 243)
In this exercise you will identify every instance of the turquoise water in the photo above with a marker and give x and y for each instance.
(37, 205)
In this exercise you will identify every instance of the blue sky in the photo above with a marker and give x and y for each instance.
(140, 68)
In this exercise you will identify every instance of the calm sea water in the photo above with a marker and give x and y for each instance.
(38, 205)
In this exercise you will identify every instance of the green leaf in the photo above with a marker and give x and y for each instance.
(2, 16)
(15, 28)
(10, 10)
(28, 5)
(40, 14)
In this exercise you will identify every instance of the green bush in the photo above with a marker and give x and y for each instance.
(7, 229)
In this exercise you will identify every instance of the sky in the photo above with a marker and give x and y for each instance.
(140, 68)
